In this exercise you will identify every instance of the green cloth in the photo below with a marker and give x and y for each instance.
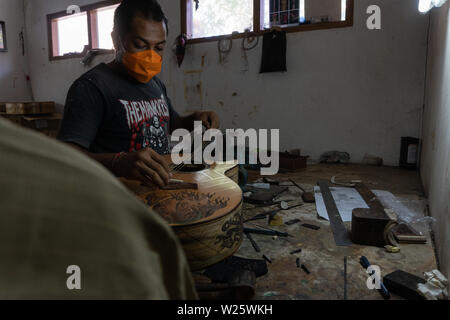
(59, 208)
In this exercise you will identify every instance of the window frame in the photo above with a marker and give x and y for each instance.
(186, 6)
(91, 21)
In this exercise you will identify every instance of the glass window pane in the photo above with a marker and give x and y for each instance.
(2, 46)
(105, 22)
(344, 10)
(283, 12)
(72, 33)
(294, 12)
(221, 17)
(318, 11)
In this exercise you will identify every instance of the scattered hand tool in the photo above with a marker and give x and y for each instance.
(264, 228)
(305, 269)
(310, 226)
(252, 241)
(263, 215)
(296, 251)
(383, 291)
(297, 262)
(345, 278)
(267, 259)
(291, 222)
(307, 197)
(288, 205)
(266, 232)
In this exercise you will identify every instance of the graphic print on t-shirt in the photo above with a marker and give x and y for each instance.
(148, 122)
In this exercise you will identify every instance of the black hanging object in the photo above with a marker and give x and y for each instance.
(274, 52)
(196, 4)
(180, 48)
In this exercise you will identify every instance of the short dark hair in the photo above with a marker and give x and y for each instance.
(128, 9)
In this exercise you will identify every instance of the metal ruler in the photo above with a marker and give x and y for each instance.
(340, 233)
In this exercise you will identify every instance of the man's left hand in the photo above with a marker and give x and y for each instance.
(209, 119)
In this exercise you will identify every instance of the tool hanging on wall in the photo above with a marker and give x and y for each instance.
(180, 48)
(22, 42)
(197, 3)
(224, 46)
(248, 43)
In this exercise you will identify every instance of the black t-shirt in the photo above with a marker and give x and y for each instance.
(107, 111)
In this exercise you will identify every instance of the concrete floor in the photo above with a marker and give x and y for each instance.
(319, 253)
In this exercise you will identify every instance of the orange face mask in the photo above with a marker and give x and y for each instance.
(142, 66)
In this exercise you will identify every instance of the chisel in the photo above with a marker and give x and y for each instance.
(266, 232)
(383, 291)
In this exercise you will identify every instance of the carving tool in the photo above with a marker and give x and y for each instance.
(383, 291)
(267, 259)
(252, 241)
(305, 269)
(266, 232)
(291, 222)
(263, 215)
(345, 278)
(307, 197)
(310, 226)
(265, 228)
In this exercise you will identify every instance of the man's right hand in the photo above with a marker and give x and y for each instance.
(145, 165)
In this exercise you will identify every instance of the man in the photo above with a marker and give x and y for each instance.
(61, 209)
(119, 114)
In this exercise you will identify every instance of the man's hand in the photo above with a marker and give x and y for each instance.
(145, 165)
(210, 119)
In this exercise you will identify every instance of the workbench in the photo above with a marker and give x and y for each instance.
(321, 256)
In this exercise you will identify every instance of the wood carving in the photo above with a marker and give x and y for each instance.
(207, 220)
(188, 206)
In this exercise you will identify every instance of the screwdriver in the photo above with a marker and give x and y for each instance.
(383, 291)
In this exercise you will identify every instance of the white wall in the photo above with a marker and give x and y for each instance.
(436, 136)
(50, 79)
(349, 89)
(13, 66)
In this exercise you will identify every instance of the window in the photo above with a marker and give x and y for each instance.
(219, 17)
(2, 37)
(103, 24)
(427, 5)
(208, 20)
(71, 35)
